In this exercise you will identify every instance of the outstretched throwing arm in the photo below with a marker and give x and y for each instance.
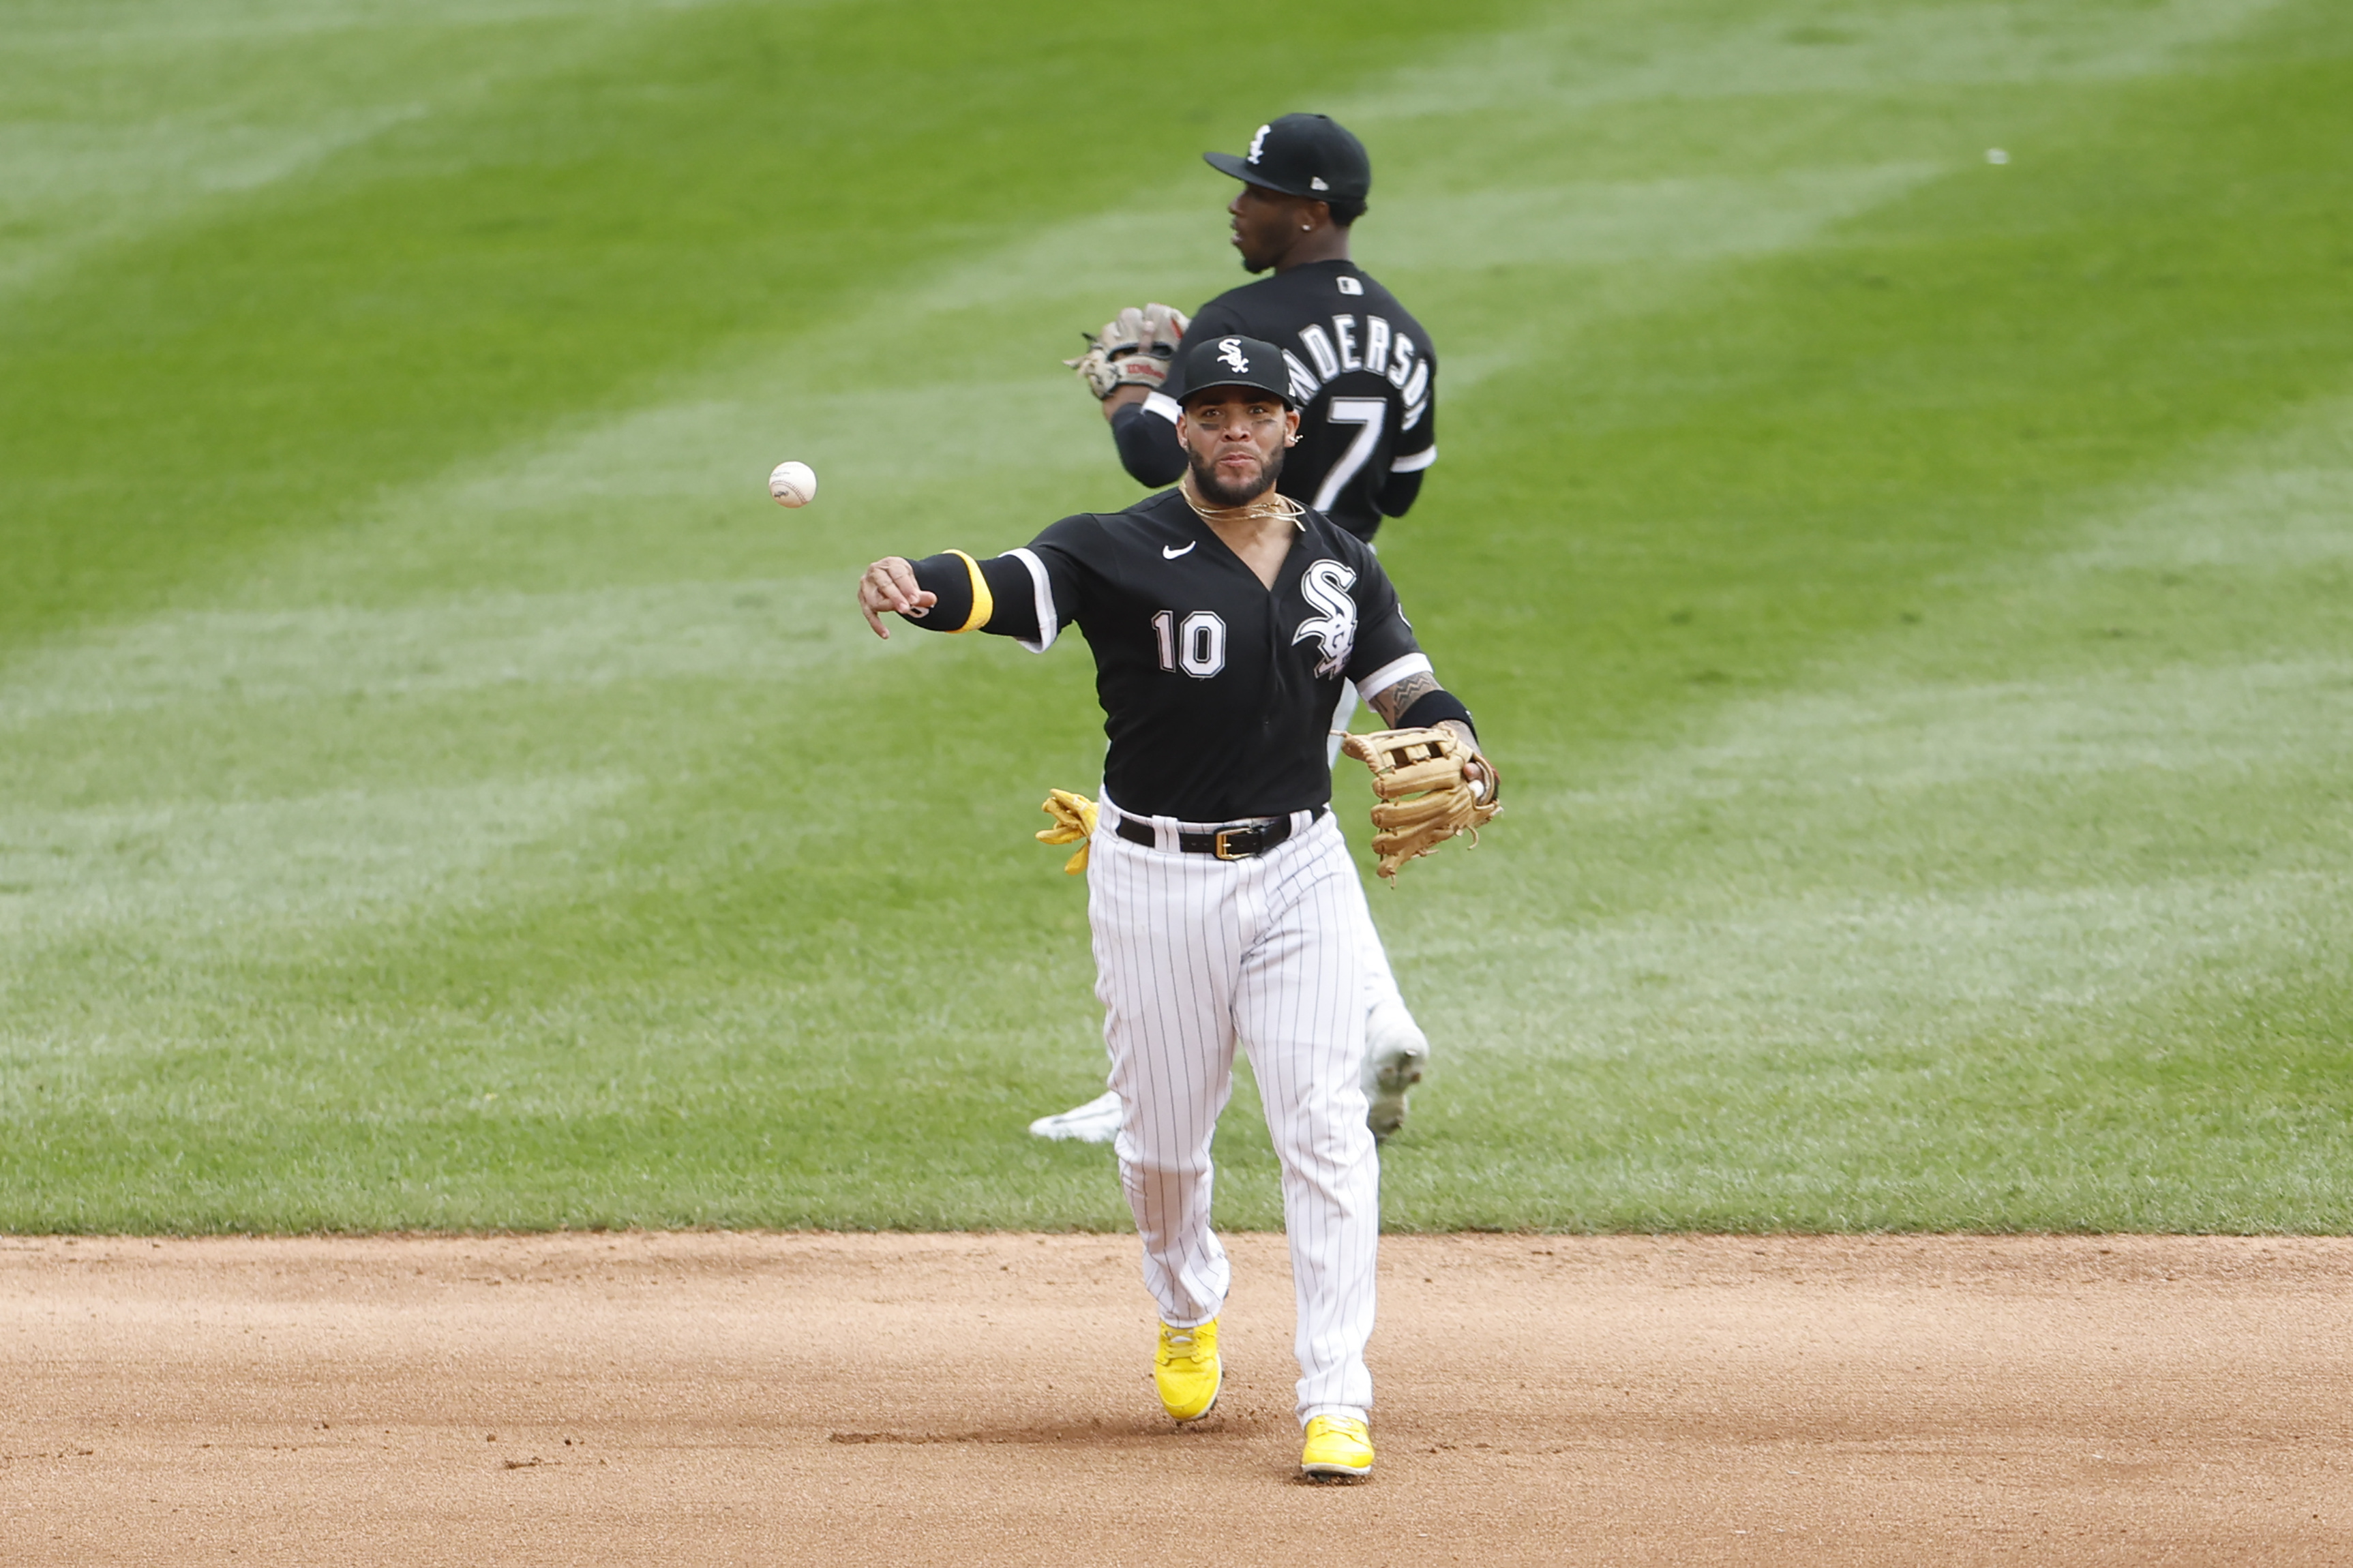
(953, 592)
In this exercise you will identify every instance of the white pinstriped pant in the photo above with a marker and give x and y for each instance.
(1194, 955)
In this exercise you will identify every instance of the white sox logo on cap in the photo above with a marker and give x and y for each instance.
(1230, 351)
(1258, 142)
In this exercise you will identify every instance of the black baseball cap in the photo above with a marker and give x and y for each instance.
(1302, 155)
(1236, 362)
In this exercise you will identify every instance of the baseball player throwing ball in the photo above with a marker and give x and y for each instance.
(1362, 375)
(1224, 617)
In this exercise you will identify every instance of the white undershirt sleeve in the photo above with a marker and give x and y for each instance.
(1048, 629)
(1392, 672)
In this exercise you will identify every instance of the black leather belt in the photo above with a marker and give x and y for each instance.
(1239, 842)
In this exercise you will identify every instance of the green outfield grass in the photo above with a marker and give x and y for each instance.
(1913, 595)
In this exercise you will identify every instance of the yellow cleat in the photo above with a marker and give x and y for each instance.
(1338, 1449)
(1186, 1371)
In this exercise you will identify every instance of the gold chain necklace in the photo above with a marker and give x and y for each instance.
(1268, 503)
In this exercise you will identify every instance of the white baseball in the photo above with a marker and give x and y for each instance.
(793, 484)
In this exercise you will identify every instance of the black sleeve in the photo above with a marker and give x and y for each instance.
(1383, 636)
(1149, 448)
(1011, 610)
(1416, 446)
(1033, 592)
(1398, 494)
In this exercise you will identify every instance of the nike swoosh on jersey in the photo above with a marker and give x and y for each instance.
(1169, 554)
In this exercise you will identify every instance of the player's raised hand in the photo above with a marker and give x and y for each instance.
(1124, 333)
(1134, 348)
(890, 584)
(1165, 327)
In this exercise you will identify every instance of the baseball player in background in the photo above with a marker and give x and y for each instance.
(1224, 617)
(1362, 375)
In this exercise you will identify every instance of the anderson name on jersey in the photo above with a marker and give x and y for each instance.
(1217, 690)
(1362, 376)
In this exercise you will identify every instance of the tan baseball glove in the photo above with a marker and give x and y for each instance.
(1134, 348)
(1426, 795)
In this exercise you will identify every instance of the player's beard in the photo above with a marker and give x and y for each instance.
(1218, 493)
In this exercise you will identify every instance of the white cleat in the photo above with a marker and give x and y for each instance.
(1096, 1121)
(1397, 1053)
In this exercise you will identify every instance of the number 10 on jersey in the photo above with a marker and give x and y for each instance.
(1197, 645)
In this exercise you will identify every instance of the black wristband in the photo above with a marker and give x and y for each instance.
(1431, 707)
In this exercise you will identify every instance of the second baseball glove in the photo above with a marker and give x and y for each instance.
(1426, 795)
(1134, 348)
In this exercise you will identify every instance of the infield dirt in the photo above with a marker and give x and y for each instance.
(983, 1399)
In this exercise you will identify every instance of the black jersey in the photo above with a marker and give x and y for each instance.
(1217, 691)
(1362, 375)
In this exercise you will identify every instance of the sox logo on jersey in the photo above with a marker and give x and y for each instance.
(1326, 585)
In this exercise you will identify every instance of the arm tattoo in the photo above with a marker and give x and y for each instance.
(1396, 699)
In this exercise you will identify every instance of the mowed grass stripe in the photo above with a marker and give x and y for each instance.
(697, 447)
(424, 747)
(2089, 907)
(773, 983)
(448, 285)
(119, 118)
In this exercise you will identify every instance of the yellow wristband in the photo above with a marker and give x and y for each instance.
(984, 604)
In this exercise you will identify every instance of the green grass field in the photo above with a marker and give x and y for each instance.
(1912, 592)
